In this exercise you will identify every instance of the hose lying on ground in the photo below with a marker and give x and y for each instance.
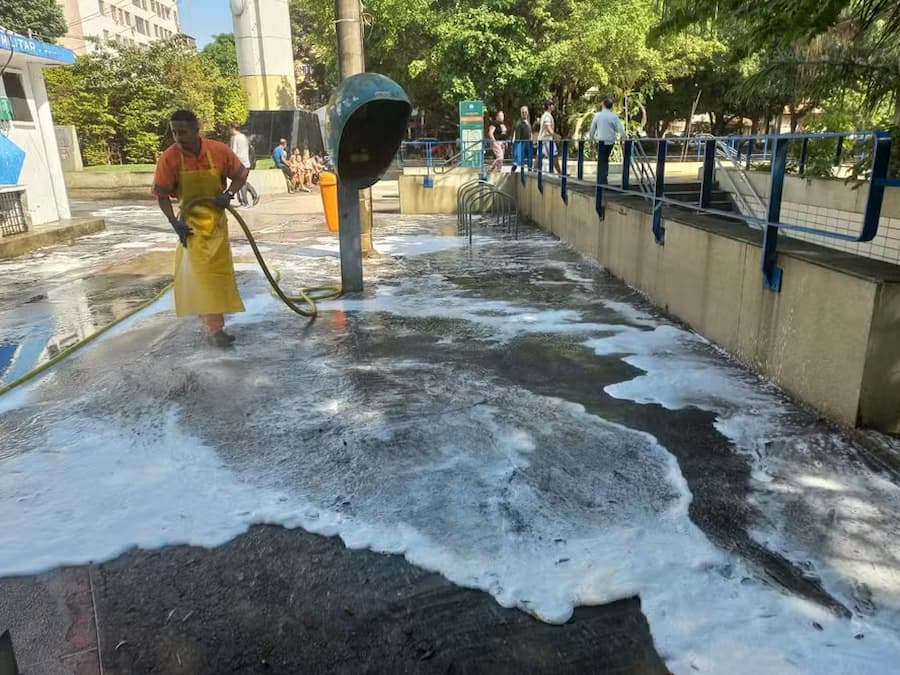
(307, 297)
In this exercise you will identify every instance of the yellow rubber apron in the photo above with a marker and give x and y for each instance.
(204, 271)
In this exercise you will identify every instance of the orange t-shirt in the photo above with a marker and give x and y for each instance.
(168, 166)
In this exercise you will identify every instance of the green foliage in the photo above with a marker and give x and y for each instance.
(75, 103)
(43, 17)
(120, 99)
(223, 52)
(506, 52)
(805, 52)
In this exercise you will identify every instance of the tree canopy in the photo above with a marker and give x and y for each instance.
(809, 51)
(120, 99)
(44, 18)
(509, 52)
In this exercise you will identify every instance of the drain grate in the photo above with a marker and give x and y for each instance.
(12, 215)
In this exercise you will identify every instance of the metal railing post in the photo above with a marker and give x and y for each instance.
(627, 149)
(540, 167)
(598, 189)
(749, 152)
(580, 160)
(483, 173)
(525, 159)
(551, 147)
(564, 176)
(838, 151)
(880, 160)
(659, 232)
(709, 164)
(771, 272)
(804, 154)
(429, 181)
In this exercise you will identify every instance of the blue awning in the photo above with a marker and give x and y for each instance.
(20, 44)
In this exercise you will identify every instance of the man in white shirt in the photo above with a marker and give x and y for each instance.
(605, 128)
(547, 132)
(240, 146)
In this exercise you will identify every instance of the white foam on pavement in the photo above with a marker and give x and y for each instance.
(529, 498)
(820, 505)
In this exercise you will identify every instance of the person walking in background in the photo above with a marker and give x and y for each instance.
(497, 135)
(522, 148)
(240, 146)
(547, 133)
(606, 127)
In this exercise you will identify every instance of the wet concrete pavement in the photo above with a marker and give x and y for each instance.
(506, 415)
(54, 297)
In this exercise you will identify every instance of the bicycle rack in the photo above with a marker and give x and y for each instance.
(481, 197)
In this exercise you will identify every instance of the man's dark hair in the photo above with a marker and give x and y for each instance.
(184, 116)
(607, 103)
(547, 104)
(235, 125)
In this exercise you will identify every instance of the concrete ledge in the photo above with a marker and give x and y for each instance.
(415, 198)
(136, 184)
(829, 338)
(49, 234)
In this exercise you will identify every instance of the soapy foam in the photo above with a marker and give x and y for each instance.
(494, 478)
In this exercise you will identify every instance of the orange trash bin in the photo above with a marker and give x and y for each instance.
(328, 188)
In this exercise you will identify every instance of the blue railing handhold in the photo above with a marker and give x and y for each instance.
(580, 160)
(771, 272)
(652, 183)
(627, 152)
(598, 189)
(540, 167)
(804, 153)
(525, 157)
(709, 165)
(659, 232)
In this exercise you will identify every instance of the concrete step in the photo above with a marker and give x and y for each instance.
(49, 234)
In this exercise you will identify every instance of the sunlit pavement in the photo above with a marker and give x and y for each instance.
(503, 417)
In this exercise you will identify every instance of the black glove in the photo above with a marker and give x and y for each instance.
(223, 199)
(181, 229)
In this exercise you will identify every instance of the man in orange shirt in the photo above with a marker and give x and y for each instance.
(195, 169)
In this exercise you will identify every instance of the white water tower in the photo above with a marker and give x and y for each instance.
(262, 34)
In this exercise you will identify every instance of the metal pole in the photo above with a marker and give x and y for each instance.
(580, 160)
(349, 38)
(355, 236)
(627, 149)
(659, 231)
(771, 272)
(709, 159)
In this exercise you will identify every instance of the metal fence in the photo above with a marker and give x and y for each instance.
(643, 174)
(12, 213)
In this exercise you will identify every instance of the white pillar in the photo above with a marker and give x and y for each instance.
(262, 36)
(48, 140)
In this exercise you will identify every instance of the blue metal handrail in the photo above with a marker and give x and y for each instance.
(775, 148)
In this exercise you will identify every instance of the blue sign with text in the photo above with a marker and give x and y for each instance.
(23, 45)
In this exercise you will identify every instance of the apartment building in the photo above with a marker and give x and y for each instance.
(134, 22)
